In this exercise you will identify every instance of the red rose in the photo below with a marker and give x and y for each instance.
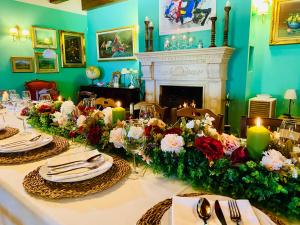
(72, 133)
(211, 148)
(94, 135)
(154, 129)
(44, 108)
(174, 130)
(240, 155)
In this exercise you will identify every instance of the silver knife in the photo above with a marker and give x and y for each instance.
(219, 213)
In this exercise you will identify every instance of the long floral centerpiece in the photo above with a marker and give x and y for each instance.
(194, 152)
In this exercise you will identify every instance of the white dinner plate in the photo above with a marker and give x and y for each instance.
(263, 218)
(2, 126)
(27, 146)
(75, 175)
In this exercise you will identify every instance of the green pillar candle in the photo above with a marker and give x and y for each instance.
(258, 139)
(118, 113)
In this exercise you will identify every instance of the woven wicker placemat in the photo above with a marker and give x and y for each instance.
(153, 216)
(35, 185)
(57, 146)
(8, 132)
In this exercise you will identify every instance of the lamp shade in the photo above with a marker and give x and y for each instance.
(290, 94)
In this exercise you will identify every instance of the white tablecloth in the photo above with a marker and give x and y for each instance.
(124, 203)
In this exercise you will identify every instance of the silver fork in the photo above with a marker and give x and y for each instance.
(235, 214)
(17, 143)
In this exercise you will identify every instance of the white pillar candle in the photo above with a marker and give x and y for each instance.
(146, 18)
(213, 14)
(151, 24)
(228, 4)
(5, 96)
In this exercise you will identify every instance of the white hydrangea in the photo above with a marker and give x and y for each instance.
(107, 115)
(208, 120)
(80, 121)
(172, 143)
(156, 122)
(67, 107)
(135, 132)
(274, 160)
(190, 124)
(116, 137)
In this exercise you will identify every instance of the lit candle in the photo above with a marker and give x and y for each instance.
(228, 4)
(258, 138)
(151, 24)
(118, 113)
(185, 105)
(173, 37)
(184, 37)
(191, 39)
(213, 14)
(146, 18)
(5, 96)
(59, 99)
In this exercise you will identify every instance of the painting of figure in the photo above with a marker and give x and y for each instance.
(178, 16)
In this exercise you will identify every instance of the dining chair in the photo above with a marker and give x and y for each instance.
(270, 123)
(192, 113)
(105, 102)
(85, 94)
(159, 110)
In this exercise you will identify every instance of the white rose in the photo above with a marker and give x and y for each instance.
(172, 143)
(135, 132)
(208, 120)
(80, 121)
(67, 107)
(190, 124)
(156, 122)
(107, 115)
(60, 118)
(116, 137)
(273, 160)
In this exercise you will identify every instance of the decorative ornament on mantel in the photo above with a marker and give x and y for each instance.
(226, 26)
(149, 27)
(213, 19)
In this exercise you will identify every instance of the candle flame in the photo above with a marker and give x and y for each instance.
(258, 122)
(59, 98)
(118, 104)
(185, 105)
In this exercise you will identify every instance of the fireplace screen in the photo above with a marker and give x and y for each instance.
(180, 96)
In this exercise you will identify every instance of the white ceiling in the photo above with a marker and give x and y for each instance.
(73, 6)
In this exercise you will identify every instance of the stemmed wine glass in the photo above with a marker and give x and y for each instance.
(134, 141)
(15, 99)
(26, 96)
(147, 112)
(287, 131)
(45, 98)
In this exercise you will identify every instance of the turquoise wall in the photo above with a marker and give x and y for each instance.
(275, 68)
(105, 18)
(238, 39)
(14, 13)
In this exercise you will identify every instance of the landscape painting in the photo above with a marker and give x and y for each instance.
(45, 65)
(180, 16)
(44, 38)
(22, 64)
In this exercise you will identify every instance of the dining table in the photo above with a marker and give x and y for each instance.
(122, 204)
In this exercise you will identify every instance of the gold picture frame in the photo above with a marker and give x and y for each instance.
(44, 37)
(285, 28)
(117, 44)
(22, 64)
(45, 65)
(72, 47)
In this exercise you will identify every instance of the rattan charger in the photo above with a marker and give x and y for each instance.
(154, 215)
(57, 146)
(8, 132)
(36, 186)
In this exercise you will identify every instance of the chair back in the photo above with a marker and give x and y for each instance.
(35, 86)
(270, 123)
(160, 111)
(85, 94)
(192, 113)
(105, 102)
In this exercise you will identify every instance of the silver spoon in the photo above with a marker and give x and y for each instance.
(89, 160)
(17, 143)
(204, 209)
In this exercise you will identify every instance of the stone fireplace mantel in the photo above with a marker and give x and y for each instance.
(206, 67)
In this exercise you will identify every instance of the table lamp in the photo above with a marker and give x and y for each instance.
(290, 95)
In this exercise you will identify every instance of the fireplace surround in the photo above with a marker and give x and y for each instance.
(205, 68)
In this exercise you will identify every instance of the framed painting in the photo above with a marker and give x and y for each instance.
(22, 64)
(116, 44)
(44, 38)
(72, 48)
(180, 16)
(285, 27)
(45, 65)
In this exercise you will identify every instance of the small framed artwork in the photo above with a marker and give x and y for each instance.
(285, 27)
(115, 79)
(45, 65)
(72, 48)
(44, 37)
(22, 64)
(116, 44)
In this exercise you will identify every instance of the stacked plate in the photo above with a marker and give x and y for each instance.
(24, 142)
(76, 167)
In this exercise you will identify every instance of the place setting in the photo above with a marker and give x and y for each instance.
(76, 175)
(203, 208)
(5, 131)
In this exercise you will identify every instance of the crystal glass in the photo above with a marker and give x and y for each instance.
(11, 93)
(26, 96)
(21, 115)
(147, 112)
(45, 98)
(134, 142)
(289, 133)
(15, 99)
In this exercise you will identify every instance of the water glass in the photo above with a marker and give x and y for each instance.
(45, 98)
(147, 112)
(26, 96)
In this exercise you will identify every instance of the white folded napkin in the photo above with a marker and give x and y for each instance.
(184, 212)
(103, 166)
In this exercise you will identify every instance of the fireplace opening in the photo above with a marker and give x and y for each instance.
(180, 96)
